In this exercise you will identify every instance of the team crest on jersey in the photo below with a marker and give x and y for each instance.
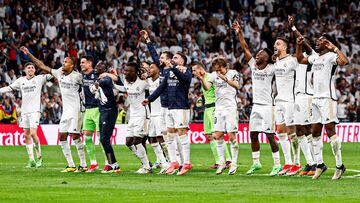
(92, 76)
(172, 75)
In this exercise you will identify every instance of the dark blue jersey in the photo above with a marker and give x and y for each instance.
(164, 95)
(177, 84)
(107, 86)
(88, 80)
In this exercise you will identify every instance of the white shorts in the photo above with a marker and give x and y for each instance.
(156, 126)
(303, 109)
(137, 127)
(71, 124)
(262, 118)
(324, 111)
(177, 118)
(284, 113)
(226, 120)
(30, 120)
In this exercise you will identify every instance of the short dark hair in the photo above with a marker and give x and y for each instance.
(330, 38)
(183, 57)
(88, 58)
(168, 54)
(269, 53)
(136, 67)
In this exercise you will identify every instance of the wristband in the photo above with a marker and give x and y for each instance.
(226, 79)
(336, 49)
(293, 28)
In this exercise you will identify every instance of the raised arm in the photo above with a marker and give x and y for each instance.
(299, 53)
(243, 43)
(36, 61)
(150, 47)
(233, 82)
(341, 59)
(291, 22)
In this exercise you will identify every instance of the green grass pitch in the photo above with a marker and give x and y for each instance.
(47, 184)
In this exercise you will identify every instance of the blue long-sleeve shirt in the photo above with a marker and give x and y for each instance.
(88, 80)
(177, 85)
(164, 100)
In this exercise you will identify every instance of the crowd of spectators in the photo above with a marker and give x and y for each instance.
(109, 30)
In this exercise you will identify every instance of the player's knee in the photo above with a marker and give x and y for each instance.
(129, 141)
(63, 136)
(153, 140)
(254, 137)
(137, 140)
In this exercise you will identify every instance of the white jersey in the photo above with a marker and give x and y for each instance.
(324, 67)
(30, 90)
(303, 83)
(70, 88)
(225, 94)
(155, 105)
(136, 95)
(262, 83)
(285, 78)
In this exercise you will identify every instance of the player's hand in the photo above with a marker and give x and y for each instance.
(291, 20)
(24, 50)
(144, 76)
(181, 68)
(102, 75)
(144, 35)
(113, 71)
(236, 26)
(145, 102)
(96, 85)
(328, 45)
(198, 75)
(221, 76)
(300, 40)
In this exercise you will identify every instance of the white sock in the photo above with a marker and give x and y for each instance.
(318, 150)
(133, 150)
(304, 144)
(171, 145)
(185, 144)
(67, 153)
(179, 154)
(336, 148)
(30, 151)
(81, 151)
(276, 157)
(295, 148)
(310, 145)
(37, 149)
(221, 150)
(141, 152)
(285, 145)
(234, 146)
(158, 153)
(256, 157)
